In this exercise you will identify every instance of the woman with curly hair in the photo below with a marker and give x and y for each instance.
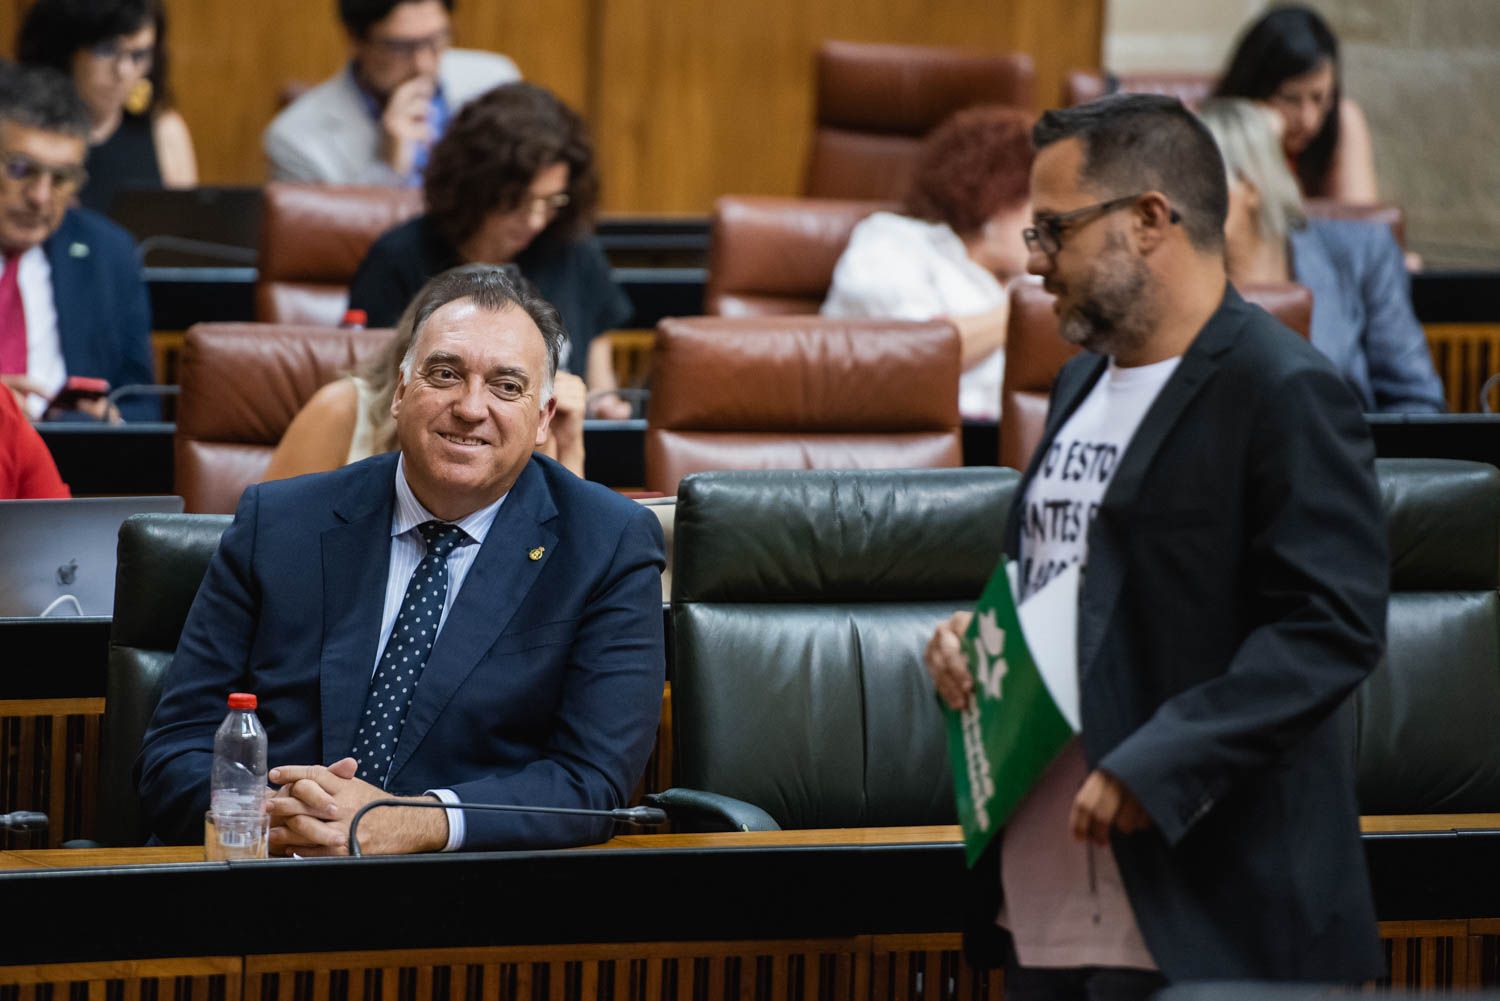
(951, 250)
(511, 181)
(115, 53)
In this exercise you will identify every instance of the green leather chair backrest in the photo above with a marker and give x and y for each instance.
(801, 601)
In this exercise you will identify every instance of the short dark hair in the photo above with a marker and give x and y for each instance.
(1288, 41)
(1147, 142)
(494, 288)
(493, 149)
(40, 97)
(359, 16)
(54, 30)
(974, 164)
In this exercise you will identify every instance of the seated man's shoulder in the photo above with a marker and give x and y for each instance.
(88, 233)
(307, 111)
(298, 496)
(467, 73)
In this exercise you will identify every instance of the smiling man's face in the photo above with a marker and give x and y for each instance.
(474, 405)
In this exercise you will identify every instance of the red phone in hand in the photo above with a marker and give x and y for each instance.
(76, 390)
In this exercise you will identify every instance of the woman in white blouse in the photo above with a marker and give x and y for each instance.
(953, 248)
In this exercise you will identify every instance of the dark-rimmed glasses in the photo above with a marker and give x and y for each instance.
(408, 48)
(18, 168)
(1047, 233)
(112, 51)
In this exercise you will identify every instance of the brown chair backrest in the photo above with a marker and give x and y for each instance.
(313, 237)
(773, 256)
(1385, 212)
(242, 383)
(801, 392)
(1081, 86)
(875, 103)
(1035, 352)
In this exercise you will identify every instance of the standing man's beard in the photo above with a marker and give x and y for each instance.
(1115, 314)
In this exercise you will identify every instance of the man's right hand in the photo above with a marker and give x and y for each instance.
(946, 663)
(404, 125)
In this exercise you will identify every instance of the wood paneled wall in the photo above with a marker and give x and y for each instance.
(688, 99)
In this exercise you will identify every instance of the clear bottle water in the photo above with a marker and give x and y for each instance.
(239, 773)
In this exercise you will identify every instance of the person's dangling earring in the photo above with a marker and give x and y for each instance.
(139, 99)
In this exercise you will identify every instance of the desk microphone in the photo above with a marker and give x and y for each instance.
(640, 816)
(27, 820)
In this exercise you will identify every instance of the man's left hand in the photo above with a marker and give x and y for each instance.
(1104, 803)
(311, 811)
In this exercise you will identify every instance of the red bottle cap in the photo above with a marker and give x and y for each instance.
(241, 700)
(355, 318)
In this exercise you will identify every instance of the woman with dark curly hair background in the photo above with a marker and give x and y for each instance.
(951, 250)
(115, 53)
(511, 181)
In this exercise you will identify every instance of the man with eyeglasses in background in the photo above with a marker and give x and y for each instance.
(1211, 474)
(375, 120)
(72, 302)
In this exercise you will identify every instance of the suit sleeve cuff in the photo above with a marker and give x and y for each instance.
(455, 818)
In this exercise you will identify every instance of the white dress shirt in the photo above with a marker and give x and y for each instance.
(407, 550)
(44, 358)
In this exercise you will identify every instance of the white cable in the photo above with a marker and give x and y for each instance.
(60, 599)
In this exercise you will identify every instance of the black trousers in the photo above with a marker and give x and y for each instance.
(1076, 983)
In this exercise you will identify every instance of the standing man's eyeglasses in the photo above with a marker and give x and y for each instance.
(1047, 233)
(18, 168)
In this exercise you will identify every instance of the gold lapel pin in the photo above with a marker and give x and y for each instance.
(536, 553)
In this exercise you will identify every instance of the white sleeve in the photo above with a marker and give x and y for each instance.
(883, 276)
(455, 818)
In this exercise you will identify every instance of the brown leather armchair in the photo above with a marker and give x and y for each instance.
(801, 392)
(876, 102)
(1081, 86)
(771, 256)
(313, 237)
(1035, 352)
(242, 383)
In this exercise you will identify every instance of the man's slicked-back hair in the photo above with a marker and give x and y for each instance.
(494, 288)
(40, 97)
(1146, 142)
(359, 16)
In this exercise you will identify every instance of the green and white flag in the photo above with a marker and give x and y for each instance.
(1025, 706)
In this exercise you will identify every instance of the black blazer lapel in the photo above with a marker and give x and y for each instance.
(356, 563)
(1105, 574)
(499, 580)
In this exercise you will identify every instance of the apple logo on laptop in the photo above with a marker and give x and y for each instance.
(67, 573)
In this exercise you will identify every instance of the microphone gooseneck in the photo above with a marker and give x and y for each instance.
(639, 816)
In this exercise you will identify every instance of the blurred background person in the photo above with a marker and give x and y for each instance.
(72, 302)
(115, 53)
(1289, 59)
(1362, 316)
(951, 249)
(511, 181)
(350, 419)
(27, 471)
(375, 121)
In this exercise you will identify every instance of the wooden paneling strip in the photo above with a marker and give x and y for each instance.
(49, 761)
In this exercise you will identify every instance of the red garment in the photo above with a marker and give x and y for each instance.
(27, 471)
(12, 318)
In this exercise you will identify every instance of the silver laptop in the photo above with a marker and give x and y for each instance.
(57, 557)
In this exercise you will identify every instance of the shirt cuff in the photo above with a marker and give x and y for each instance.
(455, 818)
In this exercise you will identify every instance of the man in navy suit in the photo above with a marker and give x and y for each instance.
(71, 297)
(459, 620)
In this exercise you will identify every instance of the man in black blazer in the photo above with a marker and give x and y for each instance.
(1234, 593)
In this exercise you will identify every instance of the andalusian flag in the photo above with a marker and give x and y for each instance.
(1025, 706)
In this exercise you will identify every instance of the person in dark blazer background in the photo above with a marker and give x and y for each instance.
(542, 682)
(72, 301)
(1234, 588)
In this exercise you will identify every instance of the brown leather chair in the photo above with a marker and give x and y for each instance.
(1385, 212)
(1081, 86)
(771, 256)
(313, 237)
(801, 392)
(1035, 352)
(242, 383)
(875, 103)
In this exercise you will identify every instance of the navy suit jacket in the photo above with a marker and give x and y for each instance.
(103, 313)
(1235, 595)
(543, 688)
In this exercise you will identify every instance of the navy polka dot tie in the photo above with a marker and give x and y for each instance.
(405, 653)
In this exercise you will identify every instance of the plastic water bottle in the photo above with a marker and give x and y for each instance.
(239, 775)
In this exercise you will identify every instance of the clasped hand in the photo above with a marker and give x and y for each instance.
(311, 811)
